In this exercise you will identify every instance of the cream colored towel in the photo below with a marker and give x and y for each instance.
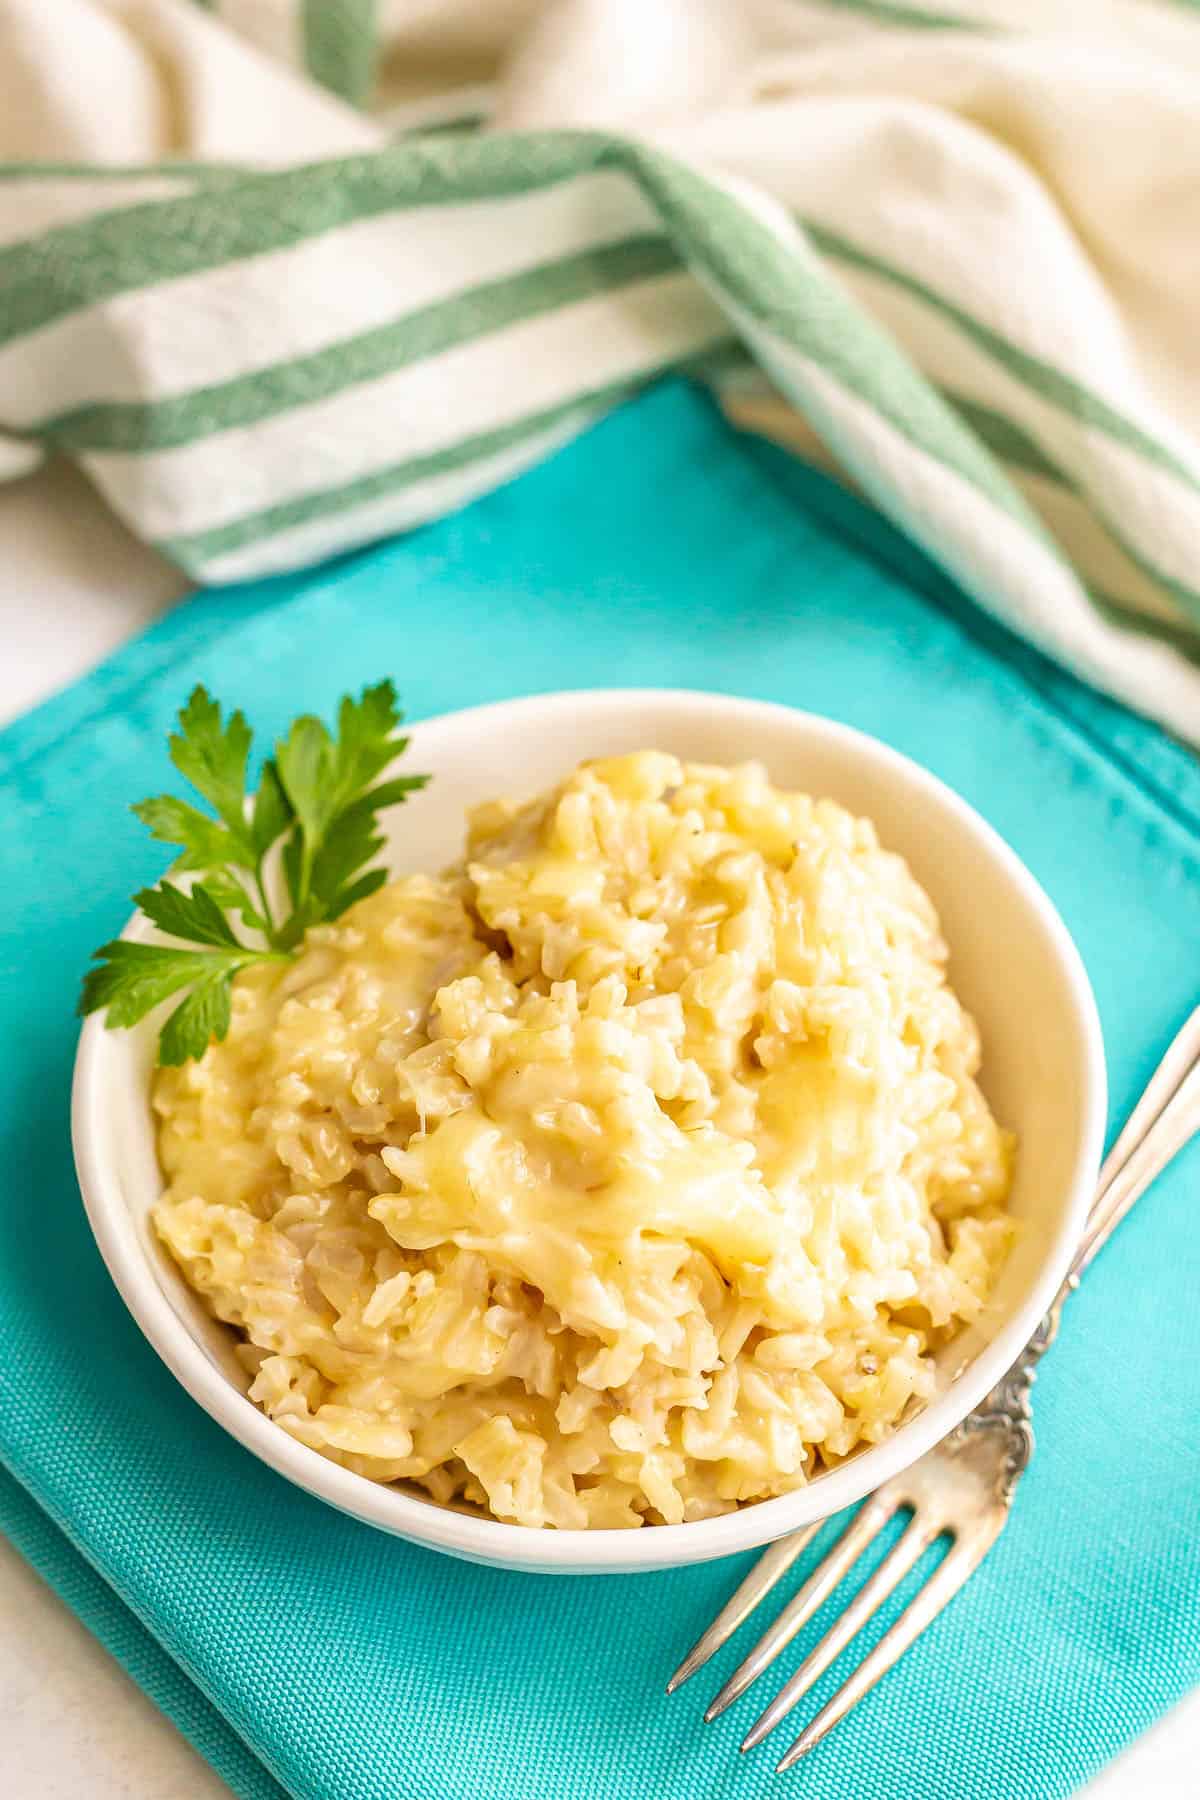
(356, 263)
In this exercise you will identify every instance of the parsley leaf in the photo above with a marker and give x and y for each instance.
(132, 978)
(294, 851)
(203, 1016)
(272, 813)
(186, 913)
(213, 757)
(206, 843)
(327, 780)
(232, 895)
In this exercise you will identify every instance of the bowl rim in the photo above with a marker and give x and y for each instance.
(515, 1546)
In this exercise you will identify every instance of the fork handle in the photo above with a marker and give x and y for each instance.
(1165, 1119)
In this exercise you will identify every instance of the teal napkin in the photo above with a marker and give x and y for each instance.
(310, 1655)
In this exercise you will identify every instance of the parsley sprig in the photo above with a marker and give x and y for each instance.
(318, 800)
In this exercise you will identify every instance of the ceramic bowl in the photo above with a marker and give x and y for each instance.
(1012, 963)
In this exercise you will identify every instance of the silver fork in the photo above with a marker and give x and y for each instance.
(963, 1488)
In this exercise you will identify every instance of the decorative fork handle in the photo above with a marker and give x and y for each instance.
(1165, 1117)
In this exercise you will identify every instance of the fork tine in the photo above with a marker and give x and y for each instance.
(771, 1566)
(804, 1603)
(917, 1538)
(961, 1560)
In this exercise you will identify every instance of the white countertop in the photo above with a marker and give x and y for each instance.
(75, 586)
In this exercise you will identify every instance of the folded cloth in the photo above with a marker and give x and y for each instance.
(958, 241)
(659, 548)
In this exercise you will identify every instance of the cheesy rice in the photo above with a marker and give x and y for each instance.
(629, 1171)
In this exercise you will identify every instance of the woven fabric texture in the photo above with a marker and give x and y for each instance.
(659, 549)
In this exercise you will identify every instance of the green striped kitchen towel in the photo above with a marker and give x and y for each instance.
(284, 276)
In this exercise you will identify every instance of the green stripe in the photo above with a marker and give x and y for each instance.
(1139, 624)
(468, 121)
(919, 17)
(1187, 598)
(119, 250)
(783, 292)
(140, 427)
(340, 40)
(731, 358)
(198, 548)
(1051, 384)
(43, 170)
(1007, 440)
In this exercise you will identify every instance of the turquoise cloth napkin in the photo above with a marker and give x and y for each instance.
(307, 1654)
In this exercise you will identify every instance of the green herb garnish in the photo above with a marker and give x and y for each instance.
(317, 799)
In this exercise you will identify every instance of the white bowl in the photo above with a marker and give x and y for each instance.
(1012, 962)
